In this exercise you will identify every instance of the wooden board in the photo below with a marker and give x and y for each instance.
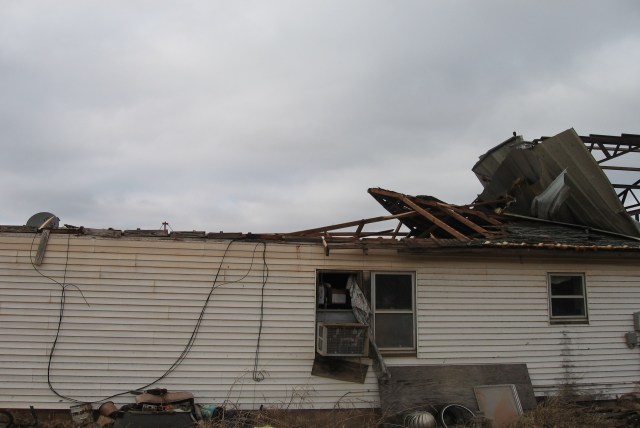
(431, 387)
(42, 247)
(337, 368)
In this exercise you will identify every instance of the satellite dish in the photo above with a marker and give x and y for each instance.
(37, 220)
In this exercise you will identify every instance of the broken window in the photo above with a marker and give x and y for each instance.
(567, 299)
(331, 289)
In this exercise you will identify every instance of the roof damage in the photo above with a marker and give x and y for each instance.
(552, 179)
(549, 193)
(611, 149)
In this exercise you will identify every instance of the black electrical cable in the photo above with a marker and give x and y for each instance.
(63, 289)
(257, 376)
(214, 286)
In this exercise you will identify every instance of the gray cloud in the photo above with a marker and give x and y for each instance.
(274, 116)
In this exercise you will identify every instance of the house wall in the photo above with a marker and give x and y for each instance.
(132, 305)
(496, 311)
(143, 299)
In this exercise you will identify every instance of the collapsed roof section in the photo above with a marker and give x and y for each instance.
(555, 179)
(549, 193)
(438, 220)
(427, 224)
(422, 216)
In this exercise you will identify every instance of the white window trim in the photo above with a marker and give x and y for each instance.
(391, 311)
(568, 319)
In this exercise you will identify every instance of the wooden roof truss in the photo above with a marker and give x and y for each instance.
(418, 217)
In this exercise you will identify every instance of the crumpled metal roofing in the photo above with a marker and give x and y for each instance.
(554, 179)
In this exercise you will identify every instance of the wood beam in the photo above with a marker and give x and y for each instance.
(462, 219)
(479, 214)
(42, 247)
(351, 224)
(426, 214)
(620, 168)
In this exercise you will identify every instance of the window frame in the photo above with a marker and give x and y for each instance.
(375, 311)
(568, 319)
(366, 279)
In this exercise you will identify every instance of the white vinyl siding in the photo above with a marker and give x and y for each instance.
(144, 297)
(485, 311)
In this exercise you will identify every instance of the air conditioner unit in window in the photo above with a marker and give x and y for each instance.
(343, 340)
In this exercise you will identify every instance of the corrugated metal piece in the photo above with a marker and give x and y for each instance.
(518, 179)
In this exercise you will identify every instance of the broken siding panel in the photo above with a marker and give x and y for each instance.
(145, 297)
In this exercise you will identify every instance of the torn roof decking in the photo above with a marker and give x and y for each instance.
(516, 172)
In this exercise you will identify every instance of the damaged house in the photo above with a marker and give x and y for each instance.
(536, 283)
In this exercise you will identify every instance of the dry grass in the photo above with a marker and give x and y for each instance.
(286, 418)
(56, 424)
(558, 412)
(45, 419)
(569, 409)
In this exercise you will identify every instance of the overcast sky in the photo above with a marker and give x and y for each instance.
(273, 116)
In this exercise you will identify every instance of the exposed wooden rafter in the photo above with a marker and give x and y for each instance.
(424, 219)
(320, 231)
(422, 211)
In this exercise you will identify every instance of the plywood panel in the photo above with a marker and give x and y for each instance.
(429, 387)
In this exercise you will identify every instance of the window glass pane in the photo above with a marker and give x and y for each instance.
(567, 307)
(394, 330)
(394, 291)
(564, 285)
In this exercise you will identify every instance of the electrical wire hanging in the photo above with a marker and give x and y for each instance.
(257, 376)
(63, 298)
